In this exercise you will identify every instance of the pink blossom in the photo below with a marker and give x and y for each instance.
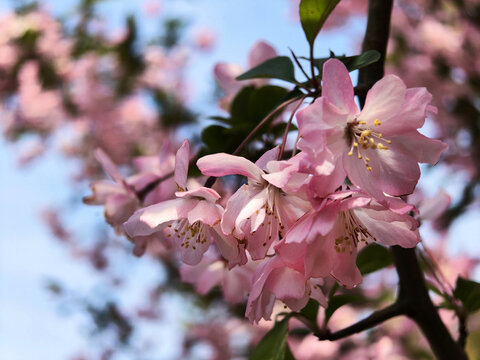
(204, 39)
(276, 279)
(378, 148)
(327, 237)
(192, 219)
(260, 210)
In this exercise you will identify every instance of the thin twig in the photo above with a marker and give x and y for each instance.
(299, 65)
(263, 122)
(287, 127)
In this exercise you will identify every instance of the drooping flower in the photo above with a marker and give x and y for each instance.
(213, 271)
(378, 148)
(191, 220)
(276, 279)
(264, 207)
(328, 237)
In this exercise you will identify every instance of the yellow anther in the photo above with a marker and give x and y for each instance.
(362, 122)
(373, 146)
(380, 135)
(355, 144)
(360, 157)
(377, 122)
(365, 133)
(372, 141)
(389, 141)
(350, 153)
(369, 168)
(367, 159)
(382, 147)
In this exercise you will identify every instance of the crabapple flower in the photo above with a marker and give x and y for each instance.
(276, 279)
(328, 236)
(191, 220)
(263, 208)
(378, 148)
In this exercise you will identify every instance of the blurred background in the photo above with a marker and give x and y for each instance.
(136, 78)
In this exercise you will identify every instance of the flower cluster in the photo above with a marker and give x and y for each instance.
(296, 225)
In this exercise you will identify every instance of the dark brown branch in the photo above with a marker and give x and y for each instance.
(369, 322)
(413, 293)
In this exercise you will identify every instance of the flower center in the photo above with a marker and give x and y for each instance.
(361, 138)
(190, 235)
(351, 233)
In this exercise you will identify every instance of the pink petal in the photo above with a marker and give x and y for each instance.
(346, 271)
(411, 116)
(268, 156)
(432, 208)
(384, 100)
(261, 240)
(229, 248)
(148, 220)
(320, 256)
(286, 283)
(102, 190)
(208, 194)
(337, 86)
(118, 208)
(235, 204)
(254, 204)
(225, 75)
(419, 147)
(261, 52)
(317, 293)
(390, 228)
(317, 122)
(205, 212)
(225, 164)
(108, 165)
(193, 253)
(182, 159)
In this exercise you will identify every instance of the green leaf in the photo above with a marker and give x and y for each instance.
(338, 301)
(372, 258)
(468, 292)
(280, 67)
(273, 344)
(351, 62)
(356, 62)
(288, 354)
(310, 310)
(313, 14)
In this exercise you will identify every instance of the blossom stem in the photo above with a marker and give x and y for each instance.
(312, 68)
(299, 65)
(141, 194)
(287, 127)
(263, 122)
